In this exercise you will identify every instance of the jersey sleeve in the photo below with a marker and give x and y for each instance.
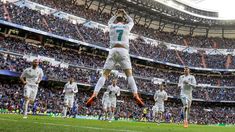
(111, 21)
(180, 81)
(193, 82)
(130, 22)
(155, 96)
(166, 96)
(118, 91)
(64, 87)
(75, 88)
(41, 74)
(23, 73)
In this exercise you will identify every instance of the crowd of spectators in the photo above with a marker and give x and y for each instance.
(50, 100)
(86, 59)
(89, 76)
(78, 9)
(98, 37)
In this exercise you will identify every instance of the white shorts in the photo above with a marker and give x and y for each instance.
(30, 91)
(118, 56)
(106, 104)
(113, 102)
(158, 108)
(68, 100)
(186, 101)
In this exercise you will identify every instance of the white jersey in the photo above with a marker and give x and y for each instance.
(70, 89)
(32, 75)
(160, 97)
(105, 97)
(113, 91)
(186, 89)
(119, 33)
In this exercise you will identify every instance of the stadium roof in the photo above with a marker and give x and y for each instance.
(170, 15)
(223, 7)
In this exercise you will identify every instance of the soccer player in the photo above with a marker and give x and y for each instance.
(159, 97)
(119, 54)
(186, 83)
(106, 104)
(70, 89)
(113, 91)
(31, 77)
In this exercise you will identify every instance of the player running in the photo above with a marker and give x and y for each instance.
(31, 77)
(159, 97)
(119, 54)
(186, 83)
(114, 91)
(70, 89)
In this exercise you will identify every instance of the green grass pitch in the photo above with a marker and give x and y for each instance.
(15, 123)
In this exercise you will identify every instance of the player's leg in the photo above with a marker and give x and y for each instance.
(125, 63)
(113, 108)
(70, 106)
(161, 110)
(108, 66)
(65, 108)
(98, 86)
(105, 113)
(26, 100)
(185, 107)
(188, 110)
(132, 85)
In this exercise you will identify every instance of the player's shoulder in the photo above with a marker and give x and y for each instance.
(182, 76)
(28, 68)
(192, 75)
(40, 69)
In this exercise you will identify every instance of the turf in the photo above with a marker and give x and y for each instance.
(15, 123)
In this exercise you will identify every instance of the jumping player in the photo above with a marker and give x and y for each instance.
(119, 54)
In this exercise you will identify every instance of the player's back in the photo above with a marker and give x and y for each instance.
(119, 34)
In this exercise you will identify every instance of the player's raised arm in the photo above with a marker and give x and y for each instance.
(113, 18)
(129, 19)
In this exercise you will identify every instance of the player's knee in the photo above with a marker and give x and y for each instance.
(128, 72)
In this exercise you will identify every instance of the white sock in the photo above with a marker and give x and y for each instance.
(65, 111)
(26, 107)
(100, 84)
(110, 116)
(132, 84)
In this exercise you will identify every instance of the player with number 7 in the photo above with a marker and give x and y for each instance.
(119, 33)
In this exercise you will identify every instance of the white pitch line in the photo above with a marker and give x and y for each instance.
(66, 125)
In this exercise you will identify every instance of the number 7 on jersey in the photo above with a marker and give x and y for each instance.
(120, 33)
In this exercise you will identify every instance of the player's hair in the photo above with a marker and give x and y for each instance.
(120, 19)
